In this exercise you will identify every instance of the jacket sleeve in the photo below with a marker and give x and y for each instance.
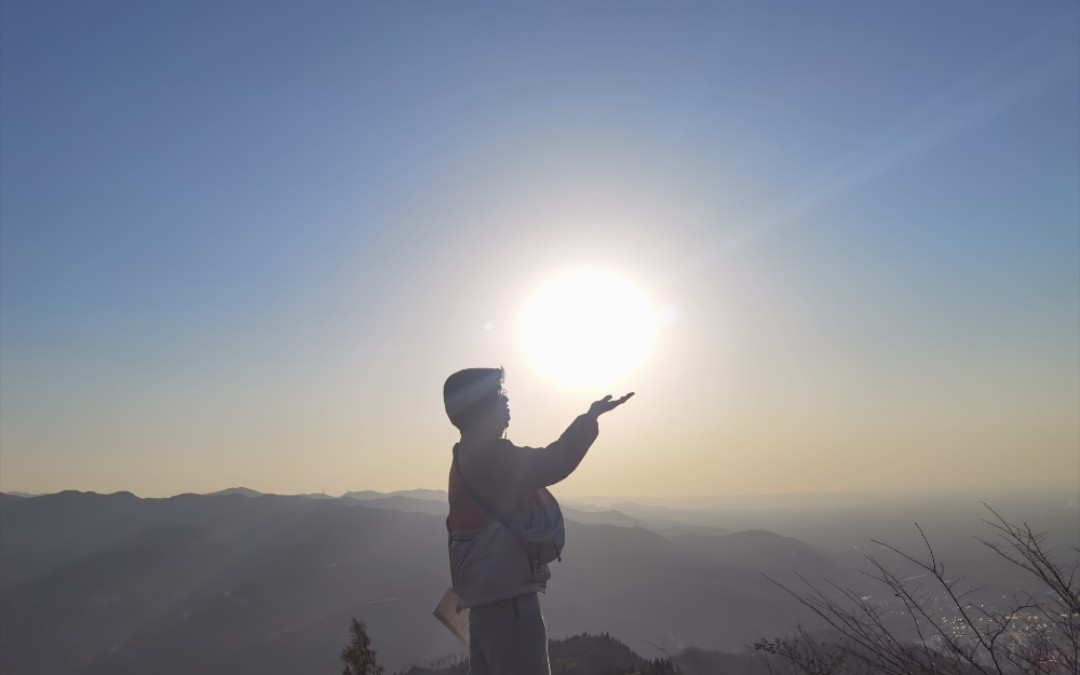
(535, 468)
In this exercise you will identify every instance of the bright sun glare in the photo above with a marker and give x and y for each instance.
(588, 328)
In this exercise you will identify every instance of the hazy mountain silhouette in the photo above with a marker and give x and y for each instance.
(229, 583)
(94, 584)
(429, 495)
(407, 504)
(242, 491)
(400, 502)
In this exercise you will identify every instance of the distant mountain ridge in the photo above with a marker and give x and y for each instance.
(434, 502)
(113, 584)
(419, 493)
(95, 584)
(242, 491)
(359, 495)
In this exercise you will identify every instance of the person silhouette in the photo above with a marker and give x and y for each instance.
(504, 525)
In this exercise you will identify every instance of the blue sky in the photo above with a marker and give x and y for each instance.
(241, 235)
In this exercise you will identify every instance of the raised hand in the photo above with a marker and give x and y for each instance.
(607, 404)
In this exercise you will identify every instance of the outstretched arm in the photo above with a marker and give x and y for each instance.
(546, 466)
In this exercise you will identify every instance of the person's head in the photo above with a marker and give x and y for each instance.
(475, 402)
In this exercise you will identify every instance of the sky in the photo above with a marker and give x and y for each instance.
(244, 243)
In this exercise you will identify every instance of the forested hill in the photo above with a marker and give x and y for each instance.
(580, 655)
(603, 654)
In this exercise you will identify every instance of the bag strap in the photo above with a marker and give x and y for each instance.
(531, 548)
(484, 504)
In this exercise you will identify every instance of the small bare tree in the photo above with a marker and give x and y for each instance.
(1039, 632)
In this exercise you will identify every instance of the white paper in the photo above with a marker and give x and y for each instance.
(452, 615)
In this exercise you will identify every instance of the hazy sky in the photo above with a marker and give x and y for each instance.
(244, 243)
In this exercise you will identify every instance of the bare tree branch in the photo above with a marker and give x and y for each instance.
(1036, 634)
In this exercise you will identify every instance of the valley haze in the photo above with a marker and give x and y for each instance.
(239, 581)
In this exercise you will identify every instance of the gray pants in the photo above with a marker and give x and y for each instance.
(508, 638)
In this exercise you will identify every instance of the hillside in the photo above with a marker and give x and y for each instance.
(580, 655)
(245, 583)
(94, 584)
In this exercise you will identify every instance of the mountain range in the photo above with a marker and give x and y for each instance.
(243, 582)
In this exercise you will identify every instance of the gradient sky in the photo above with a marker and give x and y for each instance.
(243, 243)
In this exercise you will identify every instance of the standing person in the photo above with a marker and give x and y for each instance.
(504, 525)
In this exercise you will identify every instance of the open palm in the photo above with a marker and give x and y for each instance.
(607, 404)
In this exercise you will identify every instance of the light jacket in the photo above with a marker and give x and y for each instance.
(497, 563)
(488, 563)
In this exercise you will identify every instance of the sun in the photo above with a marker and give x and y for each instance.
(588, 328)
